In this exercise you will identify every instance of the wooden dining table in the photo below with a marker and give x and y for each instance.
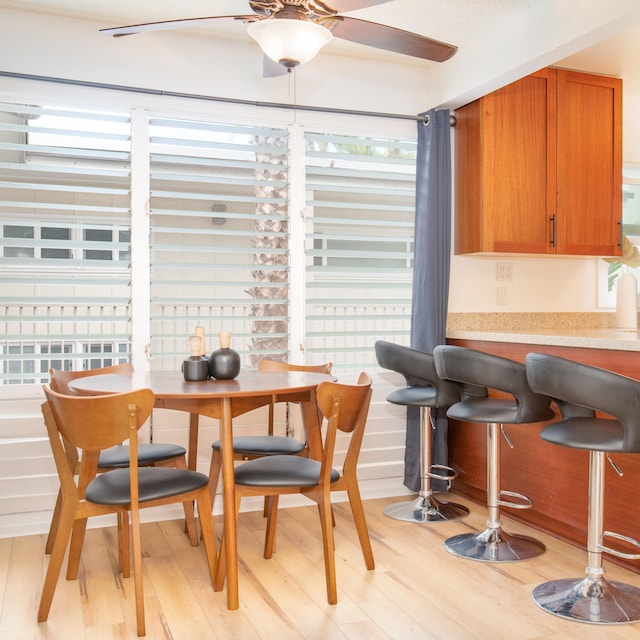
(222, 400)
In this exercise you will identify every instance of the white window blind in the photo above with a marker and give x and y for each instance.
(64, 240)
(359, 256)
(219, 238)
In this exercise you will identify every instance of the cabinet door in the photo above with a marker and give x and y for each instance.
(519, 164)
(505, 169)
(589, 142)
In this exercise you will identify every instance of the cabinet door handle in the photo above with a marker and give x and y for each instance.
(553, 230)
(621, 240)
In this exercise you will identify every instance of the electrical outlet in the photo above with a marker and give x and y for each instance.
(505, 272)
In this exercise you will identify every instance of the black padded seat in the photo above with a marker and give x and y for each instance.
(477, 372)
(591, 434)
(427, 391)
(148, 454)
(580, 391)
(113, 487)
(296, 471)
(504, 411)
(264, 445)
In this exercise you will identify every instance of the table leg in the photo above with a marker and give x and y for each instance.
(229, 502)
(192, 453)
(312, 426)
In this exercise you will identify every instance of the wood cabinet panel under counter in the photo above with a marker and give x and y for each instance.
(555, 478)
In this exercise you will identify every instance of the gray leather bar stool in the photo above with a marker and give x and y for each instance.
(477, 372)
(426, 390)
(580, 390)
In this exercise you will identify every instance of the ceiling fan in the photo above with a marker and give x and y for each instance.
(291, 32)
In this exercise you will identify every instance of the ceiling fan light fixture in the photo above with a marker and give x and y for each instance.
(289, 42)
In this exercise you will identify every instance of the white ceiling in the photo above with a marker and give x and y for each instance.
(457, 22)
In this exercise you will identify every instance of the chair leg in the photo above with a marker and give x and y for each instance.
(65, 526)
(208, 534)
(189, 514)
(137, 570)
(357, 510)
(270, 535)
(591, 599)
(75, 548)
(328, 545)
(53, 528)
(214, 474)
(123, 544)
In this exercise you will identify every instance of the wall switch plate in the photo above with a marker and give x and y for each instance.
(505, 272)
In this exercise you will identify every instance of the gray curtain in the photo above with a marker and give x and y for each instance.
(432, 254)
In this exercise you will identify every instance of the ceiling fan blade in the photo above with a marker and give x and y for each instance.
(165, 25)
(344, 6)
(381, 36)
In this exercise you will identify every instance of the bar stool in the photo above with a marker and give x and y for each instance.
(580, 390)
(426, 390)
(477, 372)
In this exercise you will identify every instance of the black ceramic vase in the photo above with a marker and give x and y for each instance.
(224, 363)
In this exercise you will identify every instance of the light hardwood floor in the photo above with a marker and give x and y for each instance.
(417, 590)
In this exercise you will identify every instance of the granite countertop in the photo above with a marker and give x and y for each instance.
(587, 330)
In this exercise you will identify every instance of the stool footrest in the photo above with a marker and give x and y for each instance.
(449, 473)
(524, 504)
(617, 552)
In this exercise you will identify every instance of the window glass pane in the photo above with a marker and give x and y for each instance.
(14, 231)
(219, 238)
(360, 217)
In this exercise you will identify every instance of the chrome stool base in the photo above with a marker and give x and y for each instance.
(425, 509)
(494, 545)
(596, 601)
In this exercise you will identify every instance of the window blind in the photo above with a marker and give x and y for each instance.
(219, 238)
(64, 240)
(360, 211)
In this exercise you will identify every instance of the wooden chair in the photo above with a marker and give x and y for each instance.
(149, 454)
(251, 447)
(345, 407)
(114, 418)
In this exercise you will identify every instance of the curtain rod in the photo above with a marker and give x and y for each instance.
(194, 96)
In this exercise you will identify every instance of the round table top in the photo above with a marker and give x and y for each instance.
(172, 384)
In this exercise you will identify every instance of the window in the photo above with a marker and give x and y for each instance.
(64, 240)
(360, 217)
(219, 238)
(609, 270)
(219, 235)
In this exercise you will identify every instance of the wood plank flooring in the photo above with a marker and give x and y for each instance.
(417, 591)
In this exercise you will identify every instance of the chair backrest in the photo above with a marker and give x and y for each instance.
(488, 371)
(267, 364)
(60, 379)
(345, 406)
(580, 390)
(418, 369)
(108, 415)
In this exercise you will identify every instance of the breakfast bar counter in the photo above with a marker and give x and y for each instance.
(555, 478)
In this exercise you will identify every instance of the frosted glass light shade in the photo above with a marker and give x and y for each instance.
(289, 42)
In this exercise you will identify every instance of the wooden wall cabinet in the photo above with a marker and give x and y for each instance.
(538, 167)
